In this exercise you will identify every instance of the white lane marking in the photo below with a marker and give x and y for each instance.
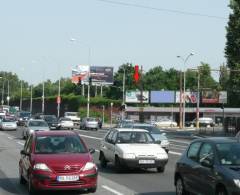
(11, 138)
(90, 137)
(22, 144)
(111, 190)
(179, 146)
(175, 153)
(178, 141)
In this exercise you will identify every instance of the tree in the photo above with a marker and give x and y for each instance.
(232, 52)
(223, 77)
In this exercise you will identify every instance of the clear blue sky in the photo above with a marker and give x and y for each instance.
(35, 35)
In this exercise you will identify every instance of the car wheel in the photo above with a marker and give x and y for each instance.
(180, 189)
(31, 189)
(160, 169)
(117, 164)
(221, 191)
(92, 190)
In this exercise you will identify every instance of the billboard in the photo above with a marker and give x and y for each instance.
(190, 97)
(214, 97)
(162, 96)
(135, 97)
(80, 74)
(101, 75)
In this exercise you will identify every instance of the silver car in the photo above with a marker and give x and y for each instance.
(34, 125)
(89, 123)
(8, 123)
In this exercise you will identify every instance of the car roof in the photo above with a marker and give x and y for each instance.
(56, 133)
(130, 129)
(37, 120)
(217, 140)
(143, 125)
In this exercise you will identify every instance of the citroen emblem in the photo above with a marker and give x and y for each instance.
(67, 167)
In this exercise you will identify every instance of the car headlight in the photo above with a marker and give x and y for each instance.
(162, 156)
(31, 131)
(164, 142)
(237, 182)
(129, 156)
(20, 119)
(41, 166)
(89, 166)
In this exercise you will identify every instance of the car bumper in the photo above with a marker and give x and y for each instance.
(92, 126)
(67, 126)
(49, 182)
(9, 128)
(134, 163)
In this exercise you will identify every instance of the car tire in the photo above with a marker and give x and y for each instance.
(117, 164)
(180, 189)
(160, 169)
(221, 191)
(92, 190)
(21, 179)
(103, 161)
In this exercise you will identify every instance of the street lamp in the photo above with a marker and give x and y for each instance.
(43, 98)
(89, 63)
(123, 88)
(111, 112)
(184, 84)
(8, 97)
(21, 91)
(31, 98)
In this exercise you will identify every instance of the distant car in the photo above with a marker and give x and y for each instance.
(8, 123)
(203, 122)
(132, 148)
(57, 160)
(73, 116)
(65, 123)
(23, 117)
(209, 166)
(125, 123)
(51, 121)
(34, 125)
(158, 135)
(166, 123)
(89, 123)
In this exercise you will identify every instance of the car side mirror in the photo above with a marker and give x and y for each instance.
(207, 163)
(23, 152)
(91, 150)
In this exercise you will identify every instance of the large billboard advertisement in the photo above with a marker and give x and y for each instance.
(214, 97)
(101, 75)
(190, 97)
(80, 74)
(135, 97)
(162, 96)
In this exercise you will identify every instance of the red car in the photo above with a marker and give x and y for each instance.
(57, 160)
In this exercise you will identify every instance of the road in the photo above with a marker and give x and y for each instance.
(141, 182)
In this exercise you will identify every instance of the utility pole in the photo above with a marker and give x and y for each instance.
(31, 99)
(3, 92)
(141, 117)
(43, 98)
(180, 105)
(59, 98)
(20, 107)
(198, 98)
(8, 97)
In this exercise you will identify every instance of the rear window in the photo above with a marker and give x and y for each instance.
(59, 145)
(38, 124)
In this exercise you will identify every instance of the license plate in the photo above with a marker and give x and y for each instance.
(68, 178)
(146, 161)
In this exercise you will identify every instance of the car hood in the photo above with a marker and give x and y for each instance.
(9, 123)
(141, 149)
(56, 161)
(233, 171)
(39, 128)
(73, 117)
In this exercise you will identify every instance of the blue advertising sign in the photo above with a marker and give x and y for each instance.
(162, 96)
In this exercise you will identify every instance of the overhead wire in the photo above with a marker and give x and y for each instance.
(162, 9)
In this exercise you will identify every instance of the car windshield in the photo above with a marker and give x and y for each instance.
(59, 145)
(149, 128)
(38, 124)
(91, 119)
(8, 120)
(24, 114)
(228, 153)
(135, 137)
(159, 136)
(71, 114)
(65, 119)
(50, 118)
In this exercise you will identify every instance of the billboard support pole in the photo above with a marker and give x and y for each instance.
(180, 105)
(141, 117)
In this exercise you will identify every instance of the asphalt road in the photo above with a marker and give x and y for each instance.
(141, 182)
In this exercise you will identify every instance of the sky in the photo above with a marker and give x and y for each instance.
(35, 36)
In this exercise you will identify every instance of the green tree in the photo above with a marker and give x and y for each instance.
(223, 77)
(232, 52)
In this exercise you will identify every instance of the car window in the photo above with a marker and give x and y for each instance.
(59, 144)
(134, 137)
(193, 150)
(29, 144)
(37, 124)
(114, 137)
(109, 136)
(206, 153)
(228, 153)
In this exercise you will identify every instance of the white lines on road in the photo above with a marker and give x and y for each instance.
(175, 153)
(11, 138)
(111, 190)
(178, 146)
(180, 141)
(22, 144)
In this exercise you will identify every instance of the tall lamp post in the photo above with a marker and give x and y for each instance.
(21, 92)
(184, 84)
(43, 98)
(31, 98)
(8, 97)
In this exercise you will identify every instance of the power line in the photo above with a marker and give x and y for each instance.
(162, 9)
